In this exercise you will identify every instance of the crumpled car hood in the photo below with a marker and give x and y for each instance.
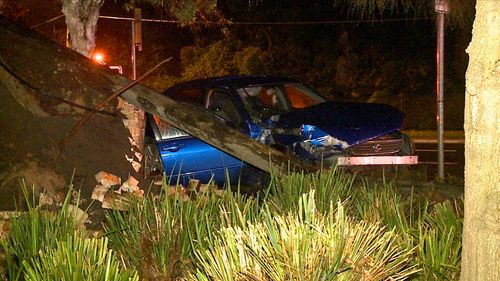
(352, 123)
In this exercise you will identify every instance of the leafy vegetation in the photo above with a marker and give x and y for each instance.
(35, 230)
(78, 258)
(336, 67)
(324, 226)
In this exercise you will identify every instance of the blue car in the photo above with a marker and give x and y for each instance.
(282, 113)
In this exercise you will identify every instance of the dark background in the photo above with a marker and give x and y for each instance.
(389, 61)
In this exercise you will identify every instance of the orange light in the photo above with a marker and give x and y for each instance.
(98, 57)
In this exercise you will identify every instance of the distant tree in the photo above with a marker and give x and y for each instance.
(81, 17)
(186, 11)
(224, 57)
(81, 20)
(462, 11)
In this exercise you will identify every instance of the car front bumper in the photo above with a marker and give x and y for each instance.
(376, 160)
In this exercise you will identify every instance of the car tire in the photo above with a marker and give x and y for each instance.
(152, 165)
(254, 179)
(407, 148)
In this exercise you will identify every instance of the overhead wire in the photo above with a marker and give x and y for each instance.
(229, 23)
(274, 22)
(47, 21)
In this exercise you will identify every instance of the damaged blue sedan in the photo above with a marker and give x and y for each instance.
(282, 113)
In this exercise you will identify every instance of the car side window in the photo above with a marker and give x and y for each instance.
(221, 104)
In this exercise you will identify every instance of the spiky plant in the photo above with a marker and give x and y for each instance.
(305, 245)
(439, 242)
(333, 185)
(433, 230)
(159, 235)
(382, 203)
(78, 258)
(35, 230)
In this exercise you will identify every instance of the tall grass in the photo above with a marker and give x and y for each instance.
(311, 246)
(78, 258)
(321, 226)
(158, 235)
(34, 231)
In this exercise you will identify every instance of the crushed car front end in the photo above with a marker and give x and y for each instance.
(333, 133)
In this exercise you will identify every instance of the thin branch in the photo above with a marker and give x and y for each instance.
(80, 123)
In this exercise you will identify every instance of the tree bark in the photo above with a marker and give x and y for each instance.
(481, 234)
(81, 20)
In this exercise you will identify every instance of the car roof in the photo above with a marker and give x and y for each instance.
(234, 81)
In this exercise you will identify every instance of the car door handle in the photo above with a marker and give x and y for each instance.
(173, 148)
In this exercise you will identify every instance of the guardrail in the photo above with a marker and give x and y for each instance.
(434, 141)
(449, 141)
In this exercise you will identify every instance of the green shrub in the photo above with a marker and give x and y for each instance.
(77, 258)
(320, 226)
(305, 246)
(158, 235)
(35, 231)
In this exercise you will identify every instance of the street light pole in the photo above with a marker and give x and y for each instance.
(133, 57)
(136, 40)
(441, 8)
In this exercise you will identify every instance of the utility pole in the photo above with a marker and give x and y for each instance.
(441, 8)
(137, 123)
(136, 40)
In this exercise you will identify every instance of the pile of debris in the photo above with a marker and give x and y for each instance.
(135, 122)
(113, 193)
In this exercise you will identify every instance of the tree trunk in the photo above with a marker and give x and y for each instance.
(481, 234)
(81, 20)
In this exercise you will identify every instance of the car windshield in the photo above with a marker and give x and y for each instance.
(264, 101)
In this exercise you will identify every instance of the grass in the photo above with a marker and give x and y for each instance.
(312, 246)
(321, 226)
(33, 231)
(78, 258)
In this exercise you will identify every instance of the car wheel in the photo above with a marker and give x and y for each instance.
(254, 179)
(152, 163)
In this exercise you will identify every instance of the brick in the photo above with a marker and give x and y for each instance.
(115, 202)
(107, 179)
(130, 185)
(99, 192)
(136, 165)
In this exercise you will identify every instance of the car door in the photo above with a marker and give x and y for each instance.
(185, 157)
(221, 103)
